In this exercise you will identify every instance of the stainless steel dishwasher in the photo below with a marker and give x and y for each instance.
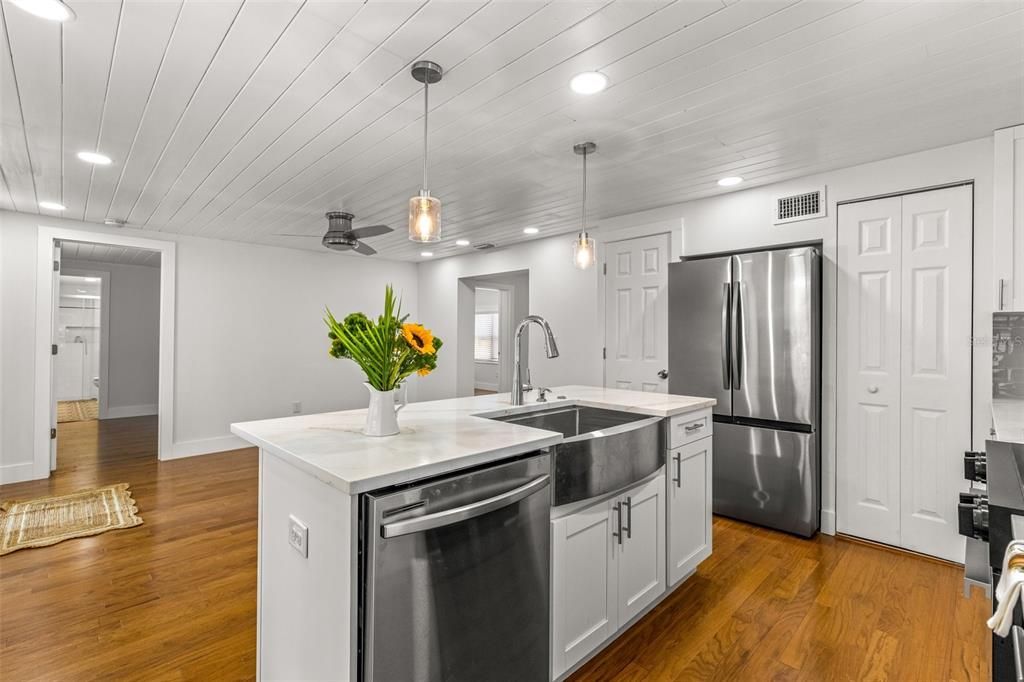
(456, 577)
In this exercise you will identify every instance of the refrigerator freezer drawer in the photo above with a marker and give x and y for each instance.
(768, 477)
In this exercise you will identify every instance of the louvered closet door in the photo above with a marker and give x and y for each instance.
(868, 424)
(935, 367)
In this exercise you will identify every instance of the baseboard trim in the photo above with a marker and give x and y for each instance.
(122, 411)
(828, 521)
(205, 446)
(487, 387)
(16, 473)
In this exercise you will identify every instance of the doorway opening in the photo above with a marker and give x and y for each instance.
(490, 307)
(104, 345)
(106, 334)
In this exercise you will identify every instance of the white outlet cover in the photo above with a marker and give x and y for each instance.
(298, 536)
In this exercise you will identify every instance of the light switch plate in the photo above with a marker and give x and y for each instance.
(298, 536)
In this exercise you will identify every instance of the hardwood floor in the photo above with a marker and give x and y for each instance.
(175, 598)
(769, 606)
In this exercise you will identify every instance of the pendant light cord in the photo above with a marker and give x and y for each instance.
(426, 110)
(583, 214)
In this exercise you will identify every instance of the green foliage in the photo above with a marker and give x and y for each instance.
(380, 348)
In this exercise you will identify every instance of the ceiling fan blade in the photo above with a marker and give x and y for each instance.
(371, 231)
(364, 249)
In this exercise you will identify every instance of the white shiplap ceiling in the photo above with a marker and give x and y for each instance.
(105, 253)
(241, 120)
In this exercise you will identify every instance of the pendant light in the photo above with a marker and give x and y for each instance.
(584, 248)
(425, 210)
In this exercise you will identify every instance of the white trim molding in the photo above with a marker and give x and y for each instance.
(16, 473)
(121, 411)
(44, 333)
(206, 446)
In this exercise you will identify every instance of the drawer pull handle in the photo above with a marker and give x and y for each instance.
(690, 428)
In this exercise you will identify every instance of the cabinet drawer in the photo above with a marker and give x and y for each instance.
(686, 428)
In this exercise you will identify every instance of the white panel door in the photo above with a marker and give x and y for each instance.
(584, 583)
(935, 367)
(54, 308)
(689, 508)
(641, 554)
(636, 314)
(868, 358)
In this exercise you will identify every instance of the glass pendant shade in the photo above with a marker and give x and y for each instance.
(584, 251)
(424, 218)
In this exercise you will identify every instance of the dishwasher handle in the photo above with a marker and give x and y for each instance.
(465, 512)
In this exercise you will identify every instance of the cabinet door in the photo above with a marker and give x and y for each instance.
(641, 556)
(689, 508)
(1008, 218)
(584, 576)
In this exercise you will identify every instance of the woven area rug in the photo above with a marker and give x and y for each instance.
(77, 410)
(48, 520)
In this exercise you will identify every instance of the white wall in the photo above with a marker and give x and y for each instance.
(250, 337)
(572, 300)
(133, 337)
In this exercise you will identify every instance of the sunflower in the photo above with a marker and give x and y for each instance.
(419, 338)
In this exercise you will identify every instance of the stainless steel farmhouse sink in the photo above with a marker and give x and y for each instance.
(603, 451)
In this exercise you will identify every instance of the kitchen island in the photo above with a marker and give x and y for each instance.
(316, 469)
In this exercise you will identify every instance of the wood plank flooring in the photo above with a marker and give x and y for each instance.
(175, 598)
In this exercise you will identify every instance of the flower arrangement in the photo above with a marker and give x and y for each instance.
(388, 350)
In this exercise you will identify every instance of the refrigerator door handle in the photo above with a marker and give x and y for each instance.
(737, 336)
(725, 336)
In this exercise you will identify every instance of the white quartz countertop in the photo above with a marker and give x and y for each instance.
(436, 437)
(1008, 419)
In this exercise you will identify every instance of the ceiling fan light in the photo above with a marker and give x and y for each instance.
(424, 218)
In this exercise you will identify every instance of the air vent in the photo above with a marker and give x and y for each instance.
(804, 206)
(484, 246)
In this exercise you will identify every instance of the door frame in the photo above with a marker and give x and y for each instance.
(104, 368)
(44, 394)
(841, 377)
(675, 253)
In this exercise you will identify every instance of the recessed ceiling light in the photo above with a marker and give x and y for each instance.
(730, 181)
(92, 279)
(530, 230)
(54, 10)
(588, 82)
(426, 254)
(51, 205)
(115, 222)
(94, 157)
(461, 242)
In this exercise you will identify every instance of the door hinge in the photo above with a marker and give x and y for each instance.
(53, 349)
(604, 268)
(604, 353)
(56, 266)
(53, 433)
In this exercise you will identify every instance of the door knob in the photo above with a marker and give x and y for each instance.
(663, 374)
(872, 389)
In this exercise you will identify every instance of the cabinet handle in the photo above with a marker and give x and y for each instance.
(1002, 287)
(678, 480)
(629, 516)
(618, 522)
(690, 428)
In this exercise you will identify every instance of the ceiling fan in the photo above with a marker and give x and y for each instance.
(341, 236)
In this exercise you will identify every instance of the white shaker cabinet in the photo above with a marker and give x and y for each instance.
(1008, 218)
(689, 508)
(584, 583)
(608, 564)
(641, 549)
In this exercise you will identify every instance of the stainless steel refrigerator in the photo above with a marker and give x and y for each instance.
(745, 330)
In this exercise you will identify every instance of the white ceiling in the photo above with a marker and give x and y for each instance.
(102, 253)
(238, 121)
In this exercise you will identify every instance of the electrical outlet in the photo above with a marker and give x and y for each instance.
(298, 536)
(296, 407)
